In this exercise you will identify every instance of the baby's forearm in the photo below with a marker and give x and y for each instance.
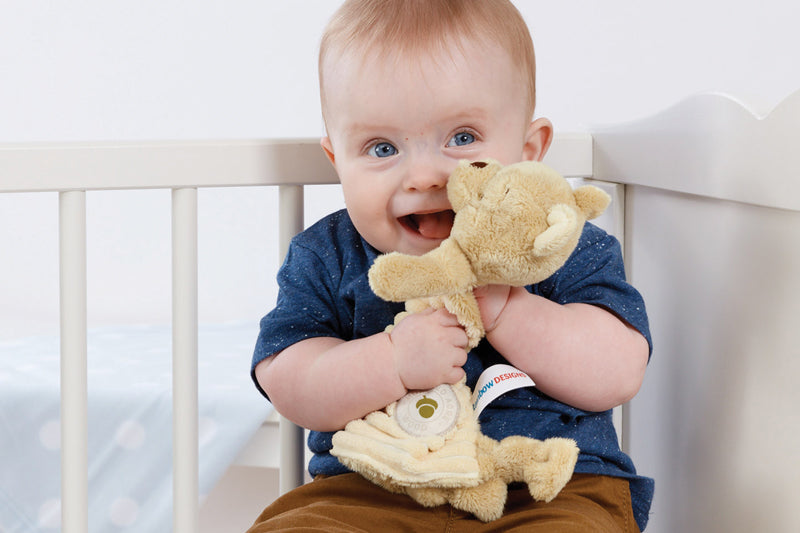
(323, 383)
(579, 354)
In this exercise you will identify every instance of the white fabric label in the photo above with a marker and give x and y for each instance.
(495, 381)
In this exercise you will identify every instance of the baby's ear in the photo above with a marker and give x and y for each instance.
(591, 200)
(467, 180)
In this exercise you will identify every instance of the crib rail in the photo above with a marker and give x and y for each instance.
(73, 169)
(165, 165)
(74, 394)
(185, 432)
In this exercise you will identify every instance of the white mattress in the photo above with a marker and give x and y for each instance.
(130, 424)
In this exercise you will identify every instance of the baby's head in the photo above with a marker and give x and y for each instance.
(397, 29)
(409, 88)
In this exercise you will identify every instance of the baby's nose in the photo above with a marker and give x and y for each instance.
(426, 175)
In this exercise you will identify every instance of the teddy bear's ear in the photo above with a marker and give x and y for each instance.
(591, 200)
(467, 180)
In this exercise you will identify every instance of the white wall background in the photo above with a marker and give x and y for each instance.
(130, 70)
(124, 69)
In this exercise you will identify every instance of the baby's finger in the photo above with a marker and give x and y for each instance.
(446, 318)
(455, 336)
(461, 339)
(461, 357)
(455, 375)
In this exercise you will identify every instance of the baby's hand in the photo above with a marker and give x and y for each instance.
(492, 300)
(429, 349)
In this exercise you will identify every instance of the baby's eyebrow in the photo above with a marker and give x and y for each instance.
(471, 116)
(361, 128)
(370, 128)
(472, 113)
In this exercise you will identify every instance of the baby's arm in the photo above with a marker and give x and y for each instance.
(322, 383)
(579, 354)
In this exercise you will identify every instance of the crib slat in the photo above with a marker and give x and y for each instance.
(185, 446)
(290, 222)
(74, 389)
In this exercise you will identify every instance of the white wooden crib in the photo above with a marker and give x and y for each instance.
(706, 200)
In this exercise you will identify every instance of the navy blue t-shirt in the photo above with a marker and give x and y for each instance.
(324, 292)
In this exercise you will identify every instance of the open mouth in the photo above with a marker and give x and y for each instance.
(430, 225)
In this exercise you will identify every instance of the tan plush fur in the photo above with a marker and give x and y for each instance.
(514, 225)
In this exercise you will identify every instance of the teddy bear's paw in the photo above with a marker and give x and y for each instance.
(397, 319)
(465, 307)
(418, 305)
(428, 496)
(552, 468)
(486, 501)
(399, 277)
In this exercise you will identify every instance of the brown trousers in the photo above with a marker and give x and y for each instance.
(349, 503)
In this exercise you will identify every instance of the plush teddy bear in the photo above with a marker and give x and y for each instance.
(513, 225)
(460, 466)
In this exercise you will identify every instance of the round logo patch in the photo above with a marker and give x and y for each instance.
(432, 412)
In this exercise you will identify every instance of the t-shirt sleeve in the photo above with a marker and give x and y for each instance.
(305, 306)
(595, 274)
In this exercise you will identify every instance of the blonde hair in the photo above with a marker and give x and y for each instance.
(424, 26)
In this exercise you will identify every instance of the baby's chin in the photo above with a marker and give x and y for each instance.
(417, 248)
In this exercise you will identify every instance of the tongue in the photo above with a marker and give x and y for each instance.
(434, 225)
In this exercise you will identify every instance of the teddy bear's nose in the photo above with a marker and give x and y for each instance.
(479, 164)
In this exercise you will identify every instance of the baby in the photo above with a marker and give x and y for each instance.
(409, 88)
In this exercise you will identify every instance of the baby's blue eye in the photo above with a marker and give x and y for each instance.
(382, 149)
(461, 138)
